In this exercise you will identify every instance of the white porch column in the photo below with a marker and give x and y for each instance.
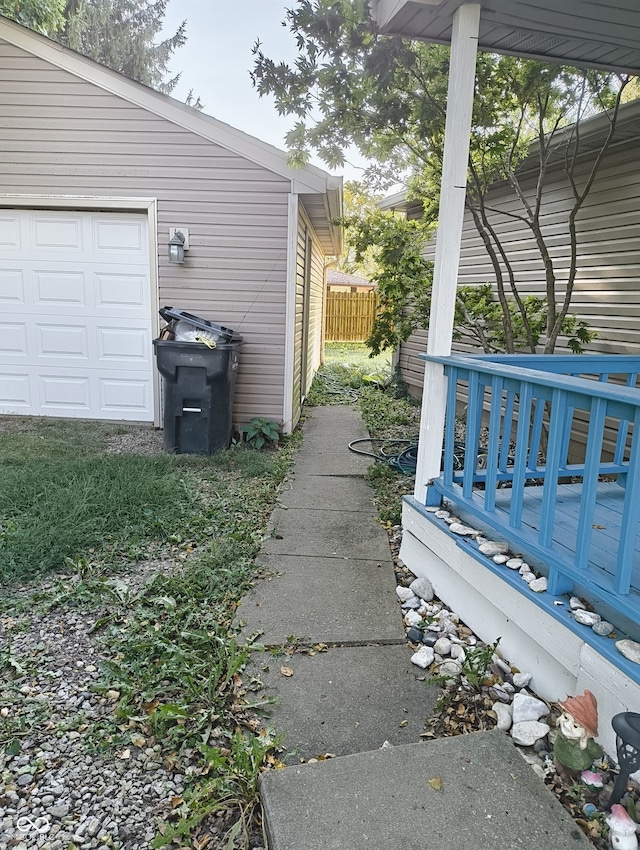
(464, 46)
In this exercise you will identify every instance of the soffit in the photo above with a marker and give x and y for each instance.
(603, 34)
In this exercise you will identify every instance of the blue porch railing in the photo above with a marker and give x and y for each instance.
(526, 418)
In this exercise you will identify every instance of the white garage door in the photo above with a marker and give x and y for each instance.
(75, 315)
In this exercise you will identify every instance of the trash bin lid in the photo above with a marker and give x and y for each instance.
(169, 313)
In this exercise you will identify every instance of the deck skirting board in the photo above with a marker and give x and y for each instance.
(561, 662)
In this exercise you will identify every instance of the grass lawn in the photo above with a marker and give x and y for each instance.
(77, 515)
(158, 549)
(357, 355)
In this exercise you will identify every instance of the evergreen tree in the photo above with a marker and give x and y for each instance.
(121, 35)
(45, 16)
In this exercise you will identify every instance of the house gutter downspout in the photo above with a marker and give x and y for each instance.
(462, 71)
(290, 313)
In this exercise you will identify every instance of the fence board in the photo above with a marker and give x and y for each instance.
(350, 316)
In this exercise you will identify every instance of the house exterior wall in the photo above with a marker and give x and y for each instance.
(309, 310)
(61, 135)
(606, 293)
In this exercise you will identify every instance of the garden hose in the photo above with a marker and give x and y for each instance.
(404, 461)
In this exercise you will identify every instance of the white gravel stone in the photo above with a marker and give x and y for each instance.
(422, 588)
(450, 668)
(500, 663)
(586, 618)
(442, 646)
(443, 514)
(412, 618)
(412, 602)
(514, 563)
(528, 577)
(463, 530)
(524, 568)
(457, 652)
(630, 649)
(404, 593)
(603, 628)
(527, 707)
(501, 693)
(494, 547)
(500, 559)
(526, 733)
(576, 603)
(423, 657)
(539, 585)
(522, 680)
(504, 715)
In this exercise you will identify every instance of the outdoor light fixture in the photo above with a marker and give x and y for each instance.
(178, 244)
(627, 728)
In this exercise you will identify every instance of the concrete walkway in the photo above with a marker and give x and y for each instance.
(329, 581)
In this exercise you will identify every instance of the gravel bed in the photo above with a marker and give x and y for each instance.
(60, 789)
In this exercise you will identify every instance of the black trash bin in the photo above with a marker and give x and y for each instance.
(198, 386)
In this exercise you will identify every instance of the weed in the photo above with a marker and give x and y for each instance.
(261, 432)
(476, 663)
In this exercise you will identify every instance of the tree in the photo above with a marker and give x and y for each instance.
(121, 35)
(359, 204)
(387, 96)
(44, 16)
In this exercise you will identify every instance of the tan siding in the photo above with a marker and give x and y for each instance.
(316, 312)
(62, 135)
(607, 290)
(310, 277)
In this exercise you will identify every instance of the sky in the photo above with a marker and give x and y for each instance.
(216, 59)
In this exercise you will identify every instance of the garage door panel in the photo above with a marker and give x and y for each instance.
(123, 237)
(75, 315)
(56, 233)
(125, 398)
(14, 339)
(58, 341)
(117, 343)
(123, 290)
(10, 232)
(12, 290)
(15, 392)
(60, 288)
(65, 392)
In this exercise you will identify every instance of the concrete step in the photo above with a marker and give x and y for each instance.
(474, 791)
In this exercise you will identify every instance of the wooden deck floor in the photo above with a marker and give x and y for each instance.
(605, 530)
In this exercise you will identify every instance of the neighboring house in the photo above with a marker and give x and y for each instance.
(341, 282)
(608, 230)
(575, 526)
(95, 171)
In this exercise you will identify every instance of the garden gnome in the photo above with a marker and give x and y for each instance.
(622, 829)
(574, 749)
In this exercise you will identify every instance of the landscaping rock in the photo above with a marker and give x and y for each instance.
(526, 733)
(586, 618)
(494, 547)
(630, 649)
(539, 585)
(503, 713)
(422, 588)
(527, 707)
(424, 657)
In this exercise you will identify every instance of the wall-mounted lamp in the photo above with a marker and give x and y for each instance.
(178, 244)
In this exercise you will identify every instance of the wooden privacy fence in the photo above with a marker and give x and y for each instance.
(350, 315)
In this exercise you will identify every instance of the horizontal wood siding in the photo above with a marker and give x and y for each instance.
(316, 310)
(63, 136)
(607, 290)
(301, 253)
